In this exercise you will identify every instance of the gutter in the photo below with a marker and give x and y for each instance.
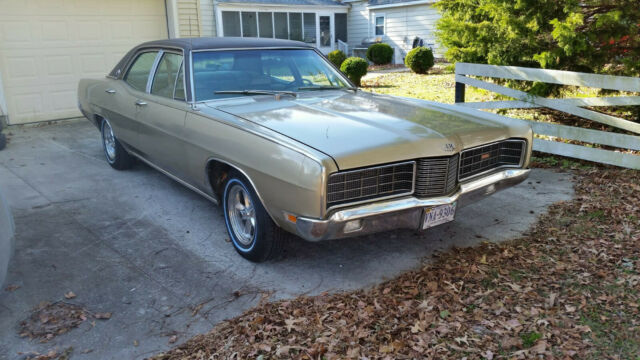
(406, 3)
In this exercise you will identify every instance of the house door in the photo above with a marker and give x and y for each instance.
(326, 36)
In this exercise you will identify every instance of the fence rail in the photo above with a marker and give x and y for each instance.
(570, 106)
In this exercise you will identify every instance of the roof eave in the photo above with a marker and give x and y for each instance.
(406, 3)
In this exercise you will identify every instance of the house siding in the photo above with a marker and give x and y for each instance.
(208, 19)
(357, 23)
(403, 24)
(189, 23)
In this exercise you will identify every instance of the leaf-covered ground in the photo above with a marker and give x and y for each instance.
(570, 288)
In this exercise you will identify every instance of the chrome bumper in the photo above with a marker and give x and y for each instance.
(403, 213)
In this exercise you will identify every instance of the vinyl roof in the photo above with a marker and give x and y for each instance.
(216, 43)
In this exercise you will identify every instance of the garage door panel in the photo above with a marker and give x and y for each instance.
(47, 46)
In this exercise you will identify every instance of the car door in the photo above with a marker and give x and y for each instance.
(123, 94)
(161, 115)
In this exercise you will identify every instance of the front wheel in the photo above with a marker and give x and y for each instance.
(252, 231)
(116, 155)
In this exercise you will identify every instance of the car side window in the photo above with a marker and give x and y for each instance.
(179, 91)
(138, 73)
(166, 76)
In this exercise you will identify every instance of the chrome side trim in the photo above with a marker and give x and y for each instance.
(175, 178)
(152, 73)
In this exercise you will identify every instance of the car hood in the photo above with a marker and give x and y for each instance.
(361, 129)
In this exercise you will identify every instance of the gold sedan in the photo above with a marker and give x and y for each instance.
(284, 141)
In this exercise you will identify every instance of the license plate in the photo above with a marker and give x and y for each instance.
(438, 215)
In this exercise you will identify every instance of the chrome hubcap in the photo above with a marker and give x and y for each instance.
(242, 215)
(109, 141)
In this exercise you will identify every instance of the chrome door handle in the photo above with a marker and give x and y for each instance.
(110, 91)
(141, 103)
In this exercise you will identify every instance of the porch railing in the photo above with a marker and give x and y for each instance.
(344, 47)
(551, 132)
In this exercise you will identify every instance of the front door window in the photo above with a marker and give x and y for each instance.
(325, 31)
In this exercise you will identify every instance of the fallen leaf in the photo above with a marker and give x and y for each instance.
(70, 295)
(102, 316)
(540, 347)
(11, 288)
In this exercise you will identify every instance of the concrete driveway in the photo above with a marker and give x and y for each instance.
(151, 252)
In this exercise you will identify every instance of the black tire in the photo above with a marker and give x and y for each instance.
(3, 141)
(268, 239)
(117, 156)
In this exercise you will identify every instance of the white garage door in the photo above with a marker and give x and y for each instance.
(46, 46)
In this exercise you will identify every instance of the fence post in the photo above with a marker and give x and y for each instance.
(460, 89)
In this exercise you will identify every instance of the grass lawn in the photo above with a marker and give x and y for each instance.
(439, 85)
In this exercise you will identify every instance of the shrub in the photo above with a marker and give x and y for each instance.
(337, 57)
(419, 60)
(355, 68)
(380, 54)
(588, 36)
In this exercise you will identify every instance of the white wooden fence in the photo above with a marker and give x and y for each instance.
(570, 106)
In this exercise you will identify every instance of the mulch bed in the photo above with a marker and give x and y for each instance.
(569, 288)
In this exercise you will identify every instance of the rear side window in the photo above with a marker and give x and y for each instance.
(138, 73)
(166, 77)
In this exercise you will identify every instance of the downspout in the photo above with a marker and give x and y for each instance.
(171, 11)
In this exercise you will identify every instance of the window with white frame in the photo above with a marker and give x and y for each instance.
(265, 24)
(379, 25)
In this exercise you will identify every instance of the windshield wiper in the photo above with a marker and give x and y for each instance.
(257, 92)
(326, 87)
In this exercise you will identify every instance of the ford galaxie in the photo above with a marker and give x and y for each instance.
(284, 141)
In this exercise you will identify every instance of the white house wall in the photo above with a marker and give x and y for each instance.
(357, 23)
(403, 24)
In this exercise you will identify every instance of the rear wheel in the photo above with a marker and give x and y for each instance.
(252, 231)
(116, 155)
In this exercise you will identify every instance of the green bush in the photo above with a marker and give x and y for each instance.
(594, 36)
(355, 68)
(380, 54)
(419, 60)
(337, 57)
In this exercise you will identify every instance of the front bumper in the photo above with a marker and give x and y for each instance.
(404, 213)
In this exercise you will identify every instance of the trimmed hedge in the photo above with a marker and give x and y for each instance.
(337, 57)
(355, 68)
(419, 60)
(380, 54)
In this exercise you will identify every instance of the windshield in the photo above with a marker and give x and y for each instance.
(298, 70)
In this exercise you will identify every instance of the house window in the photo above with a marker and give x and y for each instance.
(379, 25)
(249, 24)
(265, 23)
(310, 28)
(231, 23)
(281, 25)
(341, 27)
(295, 26)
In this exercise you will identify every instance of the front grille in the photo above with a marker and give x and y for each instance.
(370, 183)
(487, 157)
(436, 176)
